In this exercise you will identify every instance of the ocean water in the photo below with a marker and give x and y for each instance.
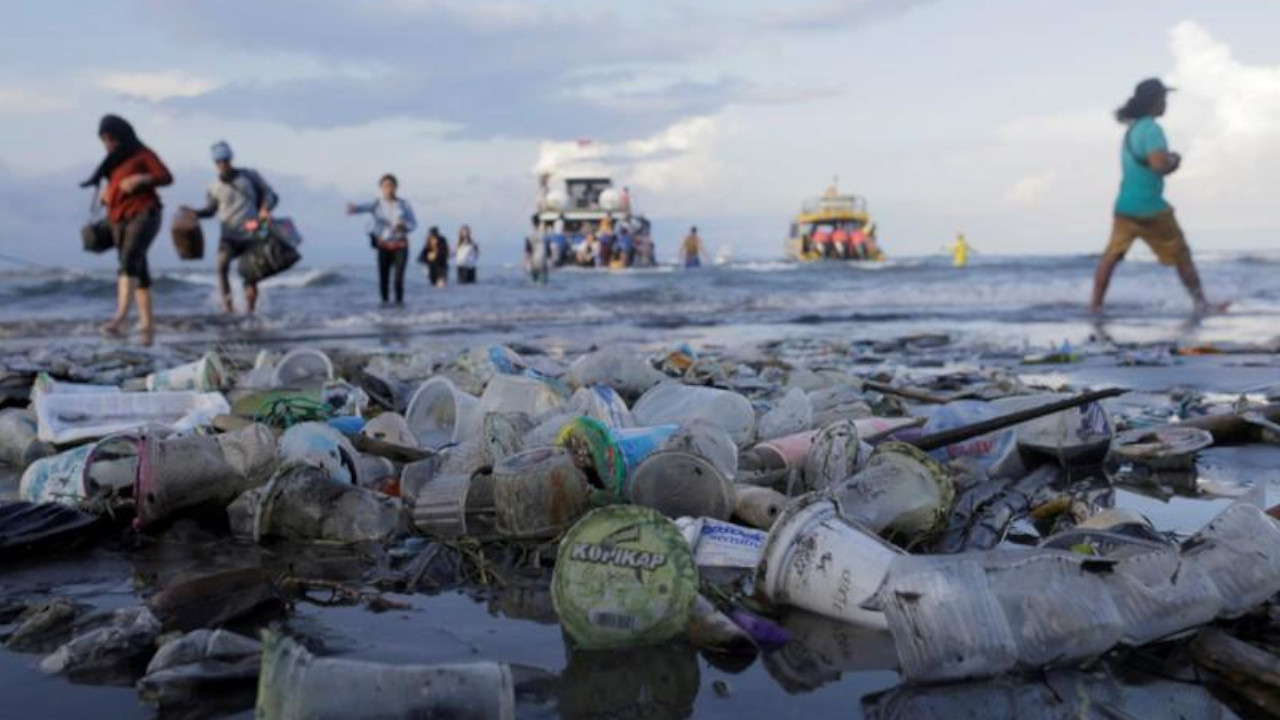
(1001, 300)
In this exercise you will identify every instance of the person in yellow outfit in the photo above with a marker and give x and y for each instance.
(960, 250)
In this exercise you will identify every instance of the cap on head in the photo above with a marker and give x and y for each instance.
(1151, 88)
(221, 151)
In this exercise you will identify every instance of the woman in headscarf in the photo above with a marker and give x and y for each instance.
(133, 172)
(435, 255)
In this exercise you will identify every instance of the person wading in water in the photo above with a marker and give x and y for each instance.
(1140, 208)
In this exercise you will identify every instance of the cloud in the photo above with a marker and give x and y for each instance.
(482, 69)
(1226, 112)
(673, 162)
(1031, 189)
(156, 86)
(832, 15)
(14, 101)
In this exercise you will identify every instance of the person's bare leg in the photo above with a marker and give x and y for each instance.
(251, 297)
(1191, 281)
(1101, 281)
(124, 294)
(145, 320)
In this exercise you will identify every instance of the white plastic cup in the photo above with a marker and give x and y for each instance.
(817, 560)
(303, 368)
(440, 414)
(205, 375)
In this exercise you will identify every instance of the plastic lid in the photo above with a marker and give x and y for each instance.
(624, 576)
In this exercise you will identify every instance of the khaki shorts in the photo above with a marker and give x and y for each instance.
(1160, 232)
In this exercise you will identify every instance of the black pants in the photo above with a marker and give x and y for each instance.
(230, 248)
(437, 273)
(133, 237)
(387, 261)
(466, 275)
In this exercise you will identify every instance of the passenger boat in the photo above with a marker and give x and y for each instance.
(833, 226)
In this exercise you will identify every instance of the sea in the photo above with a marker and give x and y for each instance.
(995, 300)
(1019, 304)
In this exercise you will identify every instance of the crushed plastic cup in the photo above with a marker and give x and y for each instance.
(504, 434)
(678, 403)
(985, 613)
(774, 462)
(624, 576)
(204, 375)
(323, 446)
(19, 444)
(440, 414)
(82, 473)
(440, 506)
(1239, 550)
(838, 402)
(818, 560)
(519, 394)
(996, 451)
(901, 491)
(296, 685)
(303, 369)
(390, 427)
(303, 502)
(183, 472)
(620, 368)
(792, 414)
(836, 454)
(538, 493)
(68, 417)
(677, 484)
(704, 439)
(604, 404)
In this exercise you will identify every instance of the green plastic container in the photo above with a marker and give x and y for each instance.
(624, 576)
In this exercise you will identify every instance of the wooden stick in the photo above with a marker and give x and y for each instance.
(960, 434)
(909, 393)
(1250, 671)
(390, 451)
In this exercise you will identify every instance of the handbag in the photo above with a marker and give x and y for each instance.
(272, 253)
(96, 234)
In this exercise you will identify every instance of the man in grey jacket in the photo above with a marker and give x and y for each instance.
(241, 199)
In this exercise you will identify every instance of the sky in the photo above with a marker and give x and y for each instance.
(991, 117)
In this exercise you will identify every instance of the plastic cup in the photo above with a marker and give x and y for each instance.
(817, 560)
(440, 414)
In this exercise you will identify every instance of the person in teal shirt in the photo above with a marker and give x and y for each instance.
(1141, 210)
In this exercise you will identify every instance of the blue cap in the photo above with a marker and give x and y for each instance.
(221, 151)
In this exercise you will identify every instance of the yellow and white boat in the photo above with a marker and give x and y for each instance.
(833, 226)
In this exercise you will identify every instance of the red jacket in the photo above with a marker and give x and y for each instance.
(123, 207)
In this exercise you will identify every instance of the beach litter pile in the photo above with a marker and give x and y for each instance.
(824, 507)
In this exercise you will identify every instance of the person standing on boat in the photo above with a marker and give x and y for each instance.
(133, 172)
(435, 255)
(465, 256)
(237, 196)
(605, 238)
(1140, 208)
(691, 251)
(626, 244)
(393, 220)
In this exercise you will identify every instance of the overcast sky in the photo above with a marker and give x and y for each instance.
(992, 117)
